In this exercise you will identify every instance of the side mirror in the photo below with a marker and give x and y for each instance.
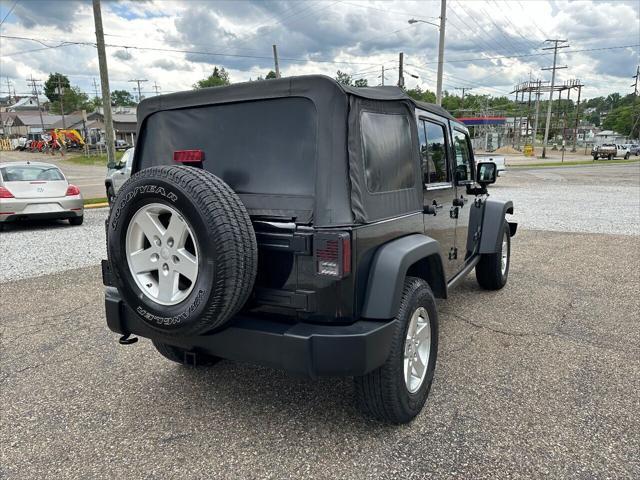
(487, 173)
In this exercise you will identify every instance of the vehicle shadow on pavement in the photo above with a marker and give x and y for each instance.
(242, 391)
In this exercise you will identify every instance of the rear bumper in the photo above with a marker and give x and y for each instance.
(12, 209)
(307, 349)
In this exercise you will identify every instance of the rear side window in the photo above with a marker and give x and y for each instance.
(386, 145)
(30, 173)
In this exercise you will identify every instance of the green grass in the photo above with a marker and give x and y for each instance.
(91, 201)
(578, 162)
(93, 159)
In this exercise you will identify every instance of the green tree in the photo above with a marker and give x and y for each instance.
(344, 78)
(122, 98)
(73, 100)
(361, 82)
(218, 78)
(51, 86)
(422, 95)
(270, 75)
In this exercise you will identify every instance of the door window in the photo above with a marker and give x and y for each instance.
(433, 152)
(463, 156)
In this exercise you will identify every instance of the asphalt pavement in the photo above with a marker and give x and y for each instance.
(538, 380)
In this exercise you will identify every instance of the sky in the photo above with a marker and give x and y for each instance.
(490, 45)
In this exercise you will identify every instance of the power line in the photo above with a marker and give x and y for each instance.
(9, 12)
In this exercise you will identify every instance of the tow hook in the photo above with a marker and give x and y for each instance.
(127, 339)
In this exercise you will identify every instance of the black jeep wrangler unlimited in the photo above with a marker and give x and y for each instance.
(304, 225)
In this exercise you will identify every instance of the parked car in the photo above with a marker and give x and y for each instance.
(499, 160)
(634, 148)
(610, 151)
(35, 190)
(311, 230)
(122, 144)
(117, 175)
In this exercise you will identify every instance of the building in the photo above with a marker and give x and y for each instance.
(124, 125)
(25, 124)
(609, 136)
(29, 104)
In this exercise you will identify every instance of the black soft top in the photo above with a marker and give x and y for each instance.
(276, 88)
(326, 166)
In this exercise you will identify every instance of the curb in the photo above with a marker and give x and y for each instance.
(97, 205)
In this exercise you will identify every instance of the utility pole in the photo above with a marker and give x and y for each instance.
(635, 85)
(95, 88)
(382, 75)
(535, 122)
(556, 46)
(275, 60)
(139, 81)
(443, 15)
(60, 94)
(575, 132)
(464, 89)
(401, 70)
(156, 87)
(9, 88)
(34, 83)
(104, 81)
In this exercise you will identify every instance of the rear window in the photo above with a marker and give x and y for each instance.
(386, 144)
(30, 173)
(262, 147)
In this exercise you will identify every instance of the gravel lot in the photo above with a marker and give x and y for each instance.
(38, 248)
(537, 380)
(590, 199)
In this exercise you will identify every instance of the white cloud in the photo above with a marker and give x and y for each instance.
(363, 35)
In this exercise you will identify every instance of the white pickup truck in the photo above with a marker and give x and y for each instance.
(497, 159)
(610, 151)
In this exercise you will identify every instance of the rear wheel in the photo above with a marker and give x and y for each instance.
(609, 157)
(397, 391)
(76, 220)
(492, 271)
(185, 357)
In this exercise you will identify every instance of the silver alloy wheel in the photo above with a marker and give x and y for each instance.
(417, 349)
(162, 254)
(504, 260)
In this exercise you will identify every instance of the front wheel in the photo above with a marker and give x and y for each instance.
(397, 391)
(492, 270)
(627, 155)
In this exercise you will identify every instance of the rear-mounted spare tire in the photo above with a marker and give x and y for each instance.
(182, 249)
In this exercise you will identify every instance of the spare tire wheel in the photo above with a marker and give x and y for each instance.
(182, 249)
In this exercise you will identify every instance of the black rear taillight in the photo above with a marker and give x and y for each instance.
(332, 254)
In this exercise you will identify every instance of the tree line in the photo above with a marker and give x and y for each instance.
(613, 112)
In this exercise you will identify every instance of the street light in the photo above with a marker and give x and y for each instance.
(443, 12)
(413, 20)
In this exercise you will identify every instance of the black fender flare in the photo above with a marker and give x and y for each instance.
(416, 254)
(493, 219)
